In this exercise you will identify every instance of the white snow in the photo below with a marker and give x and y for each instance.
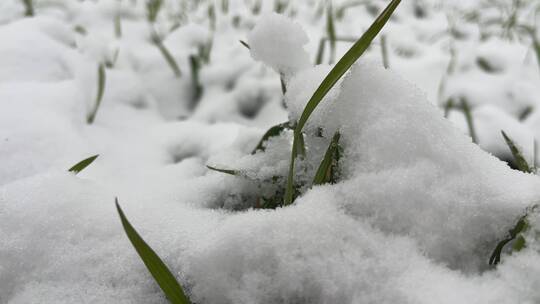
(279, 42)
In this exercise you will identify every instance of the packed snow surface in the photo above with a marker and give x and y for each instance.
(414, 218)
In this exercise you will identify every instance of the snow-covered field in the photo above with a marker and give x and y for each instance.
(414, 214)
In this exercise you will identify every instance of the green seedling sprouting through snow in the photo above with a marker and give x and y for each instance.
(515, 234)
(327, 171)
(331, 79)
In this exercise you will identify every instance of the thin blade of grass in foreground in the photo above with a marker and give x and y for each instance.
(521, 163)
(341, 67)
(324, 172)
(100, 92)
(155, 266)
(78, 167)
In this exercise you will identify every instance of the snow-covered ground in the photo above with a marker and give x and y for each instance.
(416, 213)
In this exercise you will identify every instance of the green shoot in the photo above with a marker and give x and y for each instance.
(205, 50)
(525, 113)
(152, 9)
(468, 117)
(536, 46)
(327, 169)
(28, 8)
(273, 131)
(80, 29)
(162, 275)
(341, 67)
(256, 7)
(212, 17)
(384, 52)
(280, 6)
(194, 65)
(448, 105)
(245, 44)
(78, 167)
(100, 92)
(320, 51)
(225, 6)
(515, 234)
(331, 31)
(535, 160)
(226, 171)
(117, 26)
(109, 63)
(166, 54)
(283, 85)
(520, 161)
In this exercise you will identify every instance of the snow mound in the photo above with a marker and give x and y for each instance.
(279, 42)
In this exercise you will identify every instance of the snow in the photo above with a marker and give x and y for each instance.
(414, 218)
(278, 42)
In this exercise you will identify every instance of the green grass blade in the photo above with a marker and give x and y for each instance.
(100, 92)
(324, 172)
(301, 147)
(152, 9)
(245, 44)
(155, 266)
(520, 226)
(283, 85)
(384, 52)
(117, 26)
(341, 67)
(78, 167)
(273, 131)
(195, 66)
(226, 171)
(29, 8)
(468, 117)
(331, 31)
(521, 163)
(166, 54)
(320, 51)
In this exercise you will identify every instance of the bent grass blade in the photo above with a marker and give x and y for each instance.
(162, 275)
(341, 67)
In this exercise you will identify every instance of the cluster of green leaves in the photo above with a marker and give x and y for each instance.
(328, 170)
